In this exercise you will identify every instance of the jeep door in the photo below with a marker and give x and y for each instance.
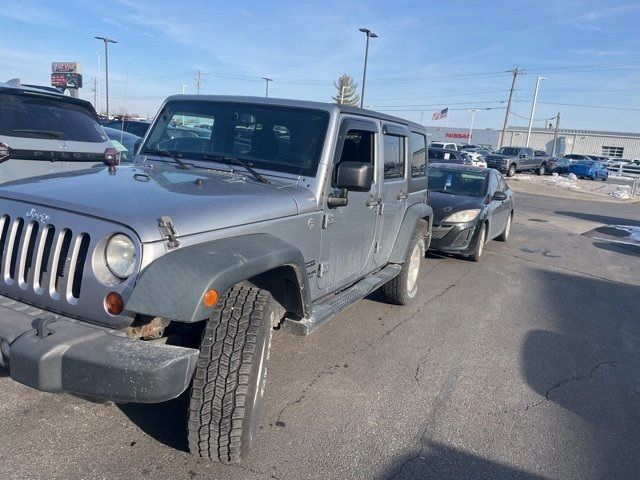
(393, 188)
(348, 233)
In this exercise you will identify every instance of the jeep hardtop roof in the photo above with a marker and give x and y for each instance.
(45, 92)
(326, 106)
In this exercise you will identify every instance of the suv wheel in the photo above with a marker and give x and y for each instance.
(226, 392)
(480, 241)
(507, 229)
(541, 169)
(404, 287)
(512, 170)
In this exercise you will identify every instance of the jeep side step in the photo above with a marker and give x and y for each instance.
(323, 312)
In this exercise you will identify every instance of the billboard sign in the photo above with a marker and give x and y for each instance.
(66, 67)
(66, 80)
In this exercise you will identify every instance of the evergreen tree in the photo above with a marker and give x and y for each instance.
(346, 94)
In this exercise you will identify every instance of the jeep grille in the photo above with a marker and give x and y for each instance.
(40, 257)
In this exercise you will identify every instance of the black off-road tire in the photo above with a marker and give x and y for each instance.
(226, 393)
(511, 171)
(399, 290)
(481, 239)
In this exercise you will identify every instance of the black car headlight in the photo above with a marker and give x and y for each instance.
(463, 216)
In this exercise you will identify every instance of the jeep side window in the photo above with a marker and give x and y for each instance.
(357, 147)
(393, 156)
(417, 148)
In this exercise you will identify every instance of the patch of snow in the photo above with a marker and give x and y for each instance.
(634, 232)
(623, 193)
(572, 176)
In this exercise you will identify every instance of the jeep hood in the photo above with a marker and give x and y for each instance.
(196, 200)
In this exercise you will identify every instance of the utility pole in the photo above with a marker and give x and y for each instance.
(98, 107)
(555, 135)
(515, 72)
(473, 113)
(95, 93)
(106, 41)
(267, 80)
(533, 108)
(199, 81)
(369, 35)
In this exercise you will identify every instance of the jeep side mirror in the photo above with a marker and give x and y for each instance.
(499, 196)
(355, 176)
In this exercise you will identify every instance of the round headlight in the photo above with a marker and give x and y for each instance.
(120, 255)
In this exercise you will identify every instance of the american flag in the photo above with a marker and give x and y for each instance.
(439, 115)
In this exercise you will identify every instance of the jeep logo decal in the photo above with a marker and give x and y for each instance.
(37, 216)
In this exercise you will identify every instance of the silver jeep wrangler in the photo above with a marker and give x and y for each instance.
(144, 282)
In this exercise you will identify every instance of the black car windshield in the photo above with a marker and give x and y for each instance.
(457, 182)
(508, 151)
(270, 137)
(44, 117)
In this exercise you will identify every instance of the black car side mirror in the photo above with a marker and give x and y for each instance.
(499, 196)
(355, 176)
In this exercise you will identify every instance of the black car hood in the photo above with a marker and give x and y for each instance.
(444, 204)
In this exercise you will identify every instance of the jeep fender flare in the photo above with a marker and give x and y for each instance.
(411, 221)
(173, 286)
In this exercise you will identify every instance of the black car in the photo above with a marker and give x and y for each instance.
(471, 205)
(135, 127)
(444, 155)
(559, 165)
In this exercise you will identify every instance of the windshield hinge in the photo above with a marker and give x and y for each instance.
(169, 231)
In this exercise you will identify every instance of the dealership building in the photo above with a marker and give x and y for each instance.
(588, 142)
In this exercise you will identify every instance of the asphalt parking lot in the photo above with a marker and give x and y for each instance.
(523, 366)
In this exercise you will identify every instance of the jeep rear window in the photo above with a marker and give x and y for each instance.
(47, 118)
(269, 137)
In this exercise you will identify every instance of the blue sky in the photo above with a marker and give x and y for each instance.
(429, 55)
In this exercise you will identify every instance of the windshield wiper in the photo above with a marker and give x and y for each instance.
(236, 161)
(44, 133)
(167, 153)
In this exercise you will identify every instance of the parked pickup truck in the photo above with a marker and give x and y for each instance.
(510, 160)
(141, 282)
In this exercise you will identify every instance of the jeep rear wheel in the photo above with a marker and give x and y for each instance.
(511, 171)
(404, 287)
(226, 393)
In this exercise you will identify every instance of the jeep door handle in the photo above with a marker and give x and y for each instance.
(402, 195)
(372, 201)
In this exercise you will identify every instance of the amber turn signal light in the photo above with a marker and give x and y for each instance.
(210, 298)
(113, 303)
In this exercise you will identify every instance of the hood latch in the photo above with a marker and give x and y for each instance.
(169, 231)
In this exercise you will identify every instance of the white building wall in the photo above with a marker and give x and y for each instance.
(587, 144)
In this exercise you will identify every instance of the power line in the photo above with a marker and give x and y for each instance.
(607, 107)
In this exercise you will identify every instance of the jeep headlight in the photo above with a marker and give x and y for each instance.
(120, 255)
(463, 216)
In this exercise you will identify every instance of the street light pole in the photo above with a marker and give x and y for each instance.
(267, 80)
(106, 41)
(473, 114)
(369, 35)
(533, 108)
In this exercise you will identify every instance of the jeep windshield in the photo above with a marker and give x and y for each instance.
(269, 137)
(508, 151)
(44, 117)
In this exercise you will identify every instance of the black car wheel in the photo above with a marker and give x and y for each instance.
(481, 239)
(504, 236)
(512, 170)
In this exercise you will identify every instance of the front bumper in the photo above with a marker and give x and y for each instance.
(75, 357)
(454, 238)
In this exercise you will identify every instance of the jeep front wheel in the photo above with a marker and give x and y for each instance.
(226, 393)
(401, 289)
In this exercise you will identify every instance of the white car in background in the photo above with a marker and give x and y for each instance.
(477, 158)
(446, 146)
